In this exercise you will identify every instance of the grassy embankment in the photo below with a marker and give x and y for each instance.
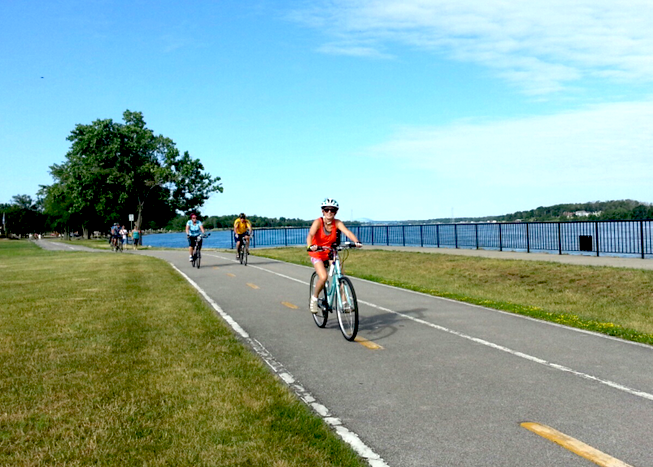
(115, 360)
(613, 301)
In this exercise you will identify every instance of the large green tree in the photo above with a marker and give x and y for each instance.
(115, 169)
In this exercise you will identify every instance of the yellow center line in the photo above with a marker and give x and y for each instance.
(574, 445)
(253, 286)
(290, 305)
(369, 344)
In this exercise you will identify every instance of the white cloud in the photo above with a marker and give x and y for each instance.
(540, 45)
(603, 146)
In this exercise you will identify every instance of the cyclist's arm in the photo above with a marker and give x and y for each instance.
(346, 231)
(187, 230)
(311, 233)
(249, 225)
(202, 227)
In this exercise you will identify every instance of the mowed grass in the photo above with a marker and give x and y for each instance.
(114, 360)
(614, 301)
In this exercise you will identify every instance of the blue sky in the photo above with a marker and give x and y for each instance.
(407, 109)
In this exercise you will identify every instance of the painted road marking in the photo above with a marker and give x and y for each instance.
(574, 445)
(369, 344)
(290, 305)
(253, 286)
(231, 275)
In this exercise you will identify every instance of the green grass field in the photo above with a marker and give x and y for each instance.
(115, 360)
(614, 301)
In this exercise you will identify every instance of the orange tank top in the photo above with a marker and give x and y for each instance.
(324, 239)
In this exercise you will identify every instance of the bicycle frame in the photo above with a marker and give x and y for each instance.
(198, 245)
(331, 287)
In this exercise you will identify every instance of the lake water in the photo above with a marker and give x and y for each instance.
(218, 239)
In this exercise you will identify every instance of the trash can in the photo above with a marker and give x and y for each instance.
(585, 242)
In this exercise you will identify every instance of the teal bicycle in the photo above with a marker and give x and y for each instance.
(338, 294)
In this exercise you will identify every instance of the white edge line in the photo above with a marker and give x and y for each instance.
(347, 435)
(477, 340)
(531, 358)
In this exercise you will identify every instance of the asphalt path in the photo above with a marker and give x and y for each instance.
(436, 382)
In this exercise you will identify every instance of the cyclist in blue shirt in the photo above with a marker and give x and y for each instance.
(115, 234)
(194, 229)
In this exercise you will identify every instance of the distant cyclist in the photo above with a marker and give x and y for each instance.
(242, 231)
(194, 229)
(115, 234)
(324, 233)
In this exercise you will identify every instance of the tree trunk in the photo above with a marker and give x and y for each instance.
(139, 216)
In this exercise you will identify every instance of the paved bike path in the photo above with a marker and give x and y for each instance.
(452, 382)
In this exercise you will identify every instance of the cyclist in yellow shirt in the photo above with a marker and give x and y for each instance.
(242, 231)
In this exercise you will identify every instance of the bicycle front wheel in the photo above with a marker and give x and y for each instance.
(347, 309)
(322, 314)
(245, 254)
(199, 258)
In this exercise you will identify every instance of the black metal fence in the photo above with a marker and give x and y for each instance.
(619, 238)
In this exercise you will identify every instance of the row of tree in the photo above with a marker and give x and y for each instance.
(112, 170)
(227, 222)
(597, 210)
(22, 216)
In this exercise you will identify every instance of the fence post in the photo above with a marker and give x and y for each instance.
(403, 233)
(387, 235)
(641, 236)
(232, 241)
(559, 238)
(372, 227)
(500, 239)
(285, 236)
(476, 231)
(437, 234)
(596, 232)
(421, 236)
(455, 234)
(528, 240)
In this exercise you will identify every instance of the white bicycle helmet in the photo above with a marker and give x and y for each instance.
(330, 203)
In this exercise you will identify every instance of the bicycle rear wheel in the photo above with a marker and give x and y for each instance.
(322, 314)
(347, 309)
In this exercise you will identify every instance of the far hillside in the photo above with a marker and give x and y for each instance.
(627, 209)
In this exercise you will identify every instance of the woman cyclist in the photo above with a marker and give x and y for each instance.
(194, 229)
(324, 233)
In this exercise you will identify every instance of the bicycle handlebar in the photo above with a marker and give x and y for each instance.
(343, 246)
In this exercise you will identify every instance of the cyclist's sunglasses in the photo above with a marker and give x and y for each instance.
(334, 210)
